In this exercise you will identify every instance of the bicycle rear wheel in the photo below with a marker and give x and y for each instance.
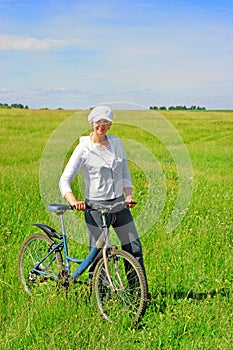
(127, 301)
(34, 248)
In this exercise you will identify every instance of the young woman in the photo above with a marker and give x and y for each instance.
(102, 159)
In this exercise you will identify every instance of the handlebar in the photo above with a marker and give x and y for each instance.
(105, 208)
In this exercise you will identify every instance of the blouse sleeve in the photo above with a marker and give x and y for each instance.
(127, 180)
(73, 166)
(126, 175)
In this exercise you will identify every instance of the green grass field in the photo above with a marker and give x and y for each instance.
(190, 270)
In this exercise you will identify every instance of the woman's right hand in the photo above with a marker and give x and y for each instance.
(79, 205)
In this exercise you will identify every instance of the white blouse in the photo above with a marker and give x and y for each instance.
(105, 170)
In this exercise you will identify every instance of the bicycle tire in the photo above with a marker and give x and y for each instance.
(127, 304)
(33, 249)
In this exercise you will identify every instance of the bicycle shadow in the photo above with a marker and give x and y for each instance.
(160, 299)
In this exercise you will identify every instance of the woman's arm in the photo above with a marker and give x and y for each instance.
(73, 166)
(129, 197)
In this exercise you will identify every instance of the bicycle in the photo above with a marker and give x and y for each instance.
(118, 285)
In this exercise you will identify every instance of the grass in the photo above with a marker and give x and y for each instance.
(189, 270)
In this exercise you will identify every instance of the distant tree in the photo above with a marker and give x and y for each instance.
(17, 105)
(13, 105)
(179, 108)
(4, 105)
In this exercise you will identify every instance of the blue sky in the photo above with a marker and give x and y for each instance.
(75, 54)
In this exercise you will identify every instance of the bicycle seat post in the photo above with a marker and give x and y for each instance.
(62, 223)
(61, 214)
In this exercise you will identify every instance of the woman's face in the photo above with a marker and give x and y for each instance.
(101, 126)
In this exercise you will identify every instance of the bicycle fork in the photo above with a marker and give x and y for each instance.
(105, 257)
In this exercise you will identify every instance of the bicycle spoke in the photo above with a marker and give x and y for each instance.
(128, 300)
(43, 280)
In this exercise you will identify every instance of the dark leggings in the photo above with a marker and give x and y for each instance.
(124, 226)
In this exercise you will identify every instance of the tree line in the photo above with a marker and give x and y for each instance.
(13, 105)
(162, 108)
(179, 108)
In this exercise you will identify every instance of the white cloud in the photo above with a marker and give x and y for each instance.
(26, 43)
(5, 91)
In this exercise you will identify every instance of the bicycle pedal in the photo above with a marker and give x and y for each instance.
(31, 277)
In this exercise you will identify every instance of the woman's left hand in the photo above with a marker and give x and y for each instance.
(131, 202)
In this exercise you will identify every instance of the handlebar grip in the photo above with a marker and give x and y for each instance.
(131, 202)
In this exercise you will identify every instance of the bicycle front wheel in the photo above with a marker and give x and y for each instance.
(32, 251)
(125, 300)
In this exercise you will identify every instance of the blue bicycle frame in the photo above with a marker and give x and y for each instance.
(59, 209)
(83, 263)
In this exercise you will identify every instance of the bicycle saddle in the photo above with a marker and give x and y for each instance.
(59, 207)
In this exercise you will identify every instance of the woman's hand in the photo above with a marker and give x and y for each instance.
(131, 202)
(79, 205)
